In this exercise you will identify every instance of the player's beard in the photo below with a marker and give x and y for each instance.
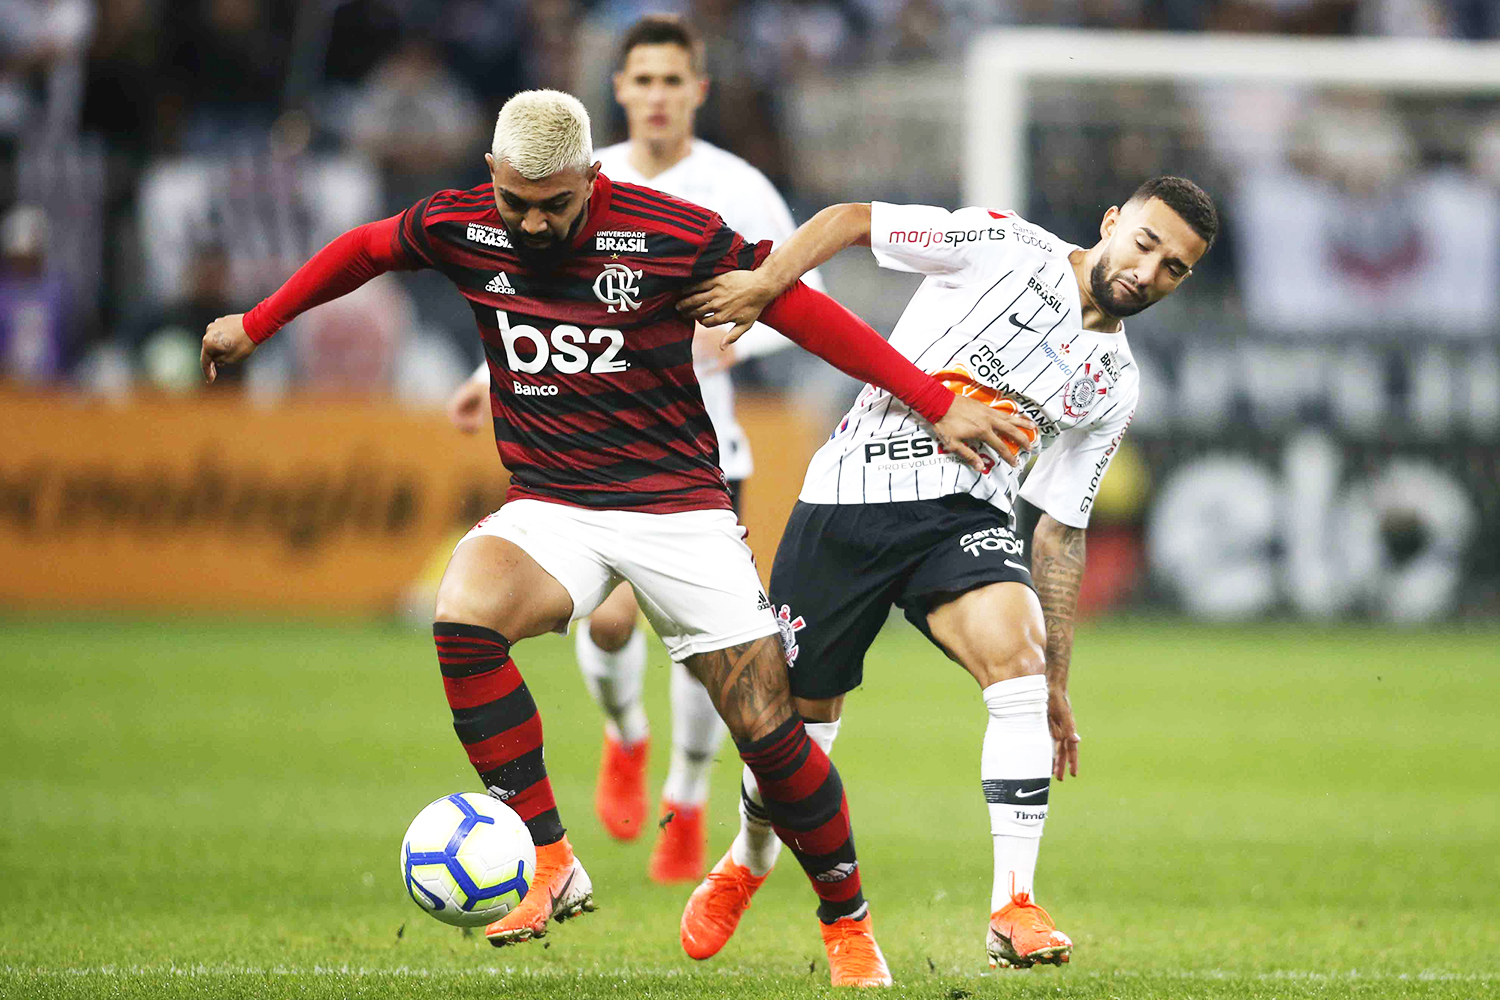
(553, 253)
(1107, 295)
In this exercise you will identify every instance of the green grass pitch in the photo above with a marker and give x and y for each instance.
(191, 809)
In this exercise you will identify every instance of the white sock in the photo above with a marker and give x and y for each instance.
(697, 732)
(614, 681)
(757, 846)
(1015, 769)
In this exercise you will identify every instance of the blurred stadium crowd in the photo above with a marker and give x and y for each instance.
(165, 163)
(1320, 429)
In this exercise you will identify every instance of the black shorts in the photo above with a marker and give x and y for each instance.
(840, 568)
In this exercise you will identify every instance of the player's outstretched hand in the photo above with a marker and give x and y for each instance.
(736, 298)
(1065, 738)
(970, 421)
(469, 406)
(225, 343)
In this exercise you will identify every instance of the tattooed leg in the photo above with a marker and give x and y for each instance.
(748, 685)
(799, 785)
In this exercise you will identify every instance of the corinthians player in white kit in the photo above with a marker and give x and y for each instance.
(1022, 320)
(661, 84)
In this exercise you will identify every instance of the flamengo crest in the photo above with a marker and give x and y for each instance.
(618, 287)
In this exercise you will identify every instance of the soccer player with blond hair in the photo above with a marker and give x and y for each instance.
(661, 83)
(1013, 316)
(614, 476)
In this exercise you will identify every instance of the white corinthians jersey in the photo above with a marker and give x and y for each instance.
(997, 318)
(720, 181)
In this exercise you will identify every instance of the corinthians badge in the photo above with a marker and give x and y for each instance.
(1084, 392)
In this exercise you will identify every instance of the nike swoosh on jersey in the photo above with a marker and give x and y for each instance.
(1020, 325)
(1016, 565)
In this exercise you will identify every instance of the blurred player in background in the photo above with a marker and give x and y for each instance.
(661, 84)
(614, 476)
(1015, 317)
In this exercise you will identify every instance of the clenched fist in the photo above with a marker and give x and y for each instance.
(968, 421)
(225, 343)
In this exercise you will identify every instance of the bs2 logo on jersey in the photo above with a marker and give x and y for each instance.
(563, 351)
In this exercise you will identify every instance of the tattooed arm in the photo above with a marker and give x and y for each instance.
(1057, 558)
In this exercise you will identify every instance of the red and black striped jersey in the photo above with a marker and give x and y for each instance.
(592, 387)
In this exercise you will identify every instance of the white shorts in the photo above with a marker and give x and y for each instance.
(691, 571)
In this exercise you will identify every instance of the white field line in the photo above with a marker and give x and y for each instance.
(411, 972)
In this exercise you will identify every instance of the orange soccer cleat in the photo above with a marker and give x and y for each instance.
(1022, 934)
(854, 959)
(715, 907)
(560, 889)
(680, 846)
(620, 796)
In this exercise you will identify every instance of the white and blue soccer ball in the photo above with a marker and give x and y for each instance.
(468, 859)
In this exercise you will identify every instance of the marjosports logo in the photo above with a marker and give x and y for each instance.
(789, 628)
(952, 237)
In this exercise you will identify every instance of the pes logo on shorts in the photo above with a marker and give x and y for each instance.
(618, 287)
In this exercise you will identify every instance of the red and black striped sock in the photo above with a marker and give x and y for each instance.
(805, 799)
(497, 722)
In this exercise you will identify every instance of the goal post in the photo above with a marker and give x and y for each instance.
(1002, 62)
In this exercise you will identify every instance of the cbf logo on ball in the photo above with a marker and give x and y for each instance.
(618, 287)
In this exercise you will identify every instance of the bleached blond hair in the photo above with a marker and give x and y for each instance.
(540, 132)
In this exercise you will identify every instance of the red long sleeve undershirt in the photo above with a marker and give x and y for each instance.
(806, 317)
(822, 326)
(337, 269)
